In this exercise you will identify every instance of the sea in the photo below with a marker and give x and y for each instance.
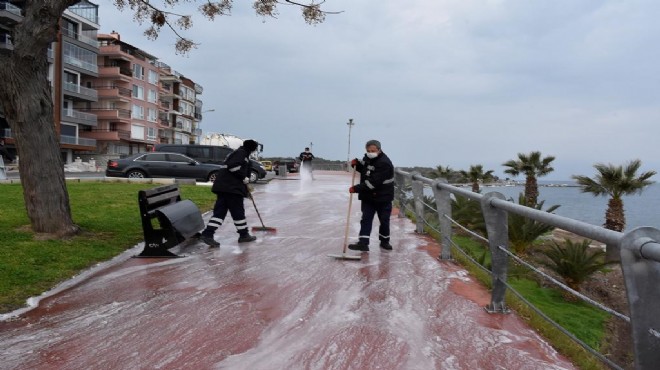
(640, 209)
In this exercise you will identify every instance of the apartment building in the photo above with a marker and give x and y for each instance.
(72, 70)
(113, 98)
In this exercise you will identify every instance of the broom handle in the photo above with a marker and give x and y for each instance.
(348, 216)
(256, 209)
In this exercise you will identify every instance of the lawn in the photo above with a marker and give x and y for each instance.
(110, 220)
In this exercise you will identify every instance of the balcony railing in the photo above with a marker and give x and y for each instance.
(71, 87)
(123, 91)
(74, 140)
(122, 134)
(72, 113)
(110, 112)
(10, 8)
(81, 63)
(86, 10)
(82, 38)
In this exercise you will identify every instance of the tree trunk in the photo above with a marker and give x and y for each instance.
(614, 220)
(28, 107)
(531, 191)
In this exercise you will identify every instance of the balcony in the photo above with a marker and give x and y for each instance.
(86, 10)
(80, 91)
(6, 45)
(75, 116)
(112, 114)
(74, 35)
(74, 140)
(116, 52)
(10, 14)
(111, 92)
(116, 72)
(199, 89)
(101, 134)
(81, 64)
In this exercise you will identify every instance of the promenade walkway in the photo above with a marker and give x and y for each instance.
(278, 303)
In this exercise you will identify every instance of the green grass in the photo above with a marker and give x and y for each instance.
(110, 220)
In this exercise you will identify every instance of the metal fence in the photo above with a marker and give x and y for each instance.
(639, 251)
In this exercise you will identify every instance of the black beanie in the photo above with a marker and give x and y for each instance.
(250, 145)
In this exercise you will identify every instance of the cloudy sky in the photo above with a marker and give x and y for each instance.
(438, 82)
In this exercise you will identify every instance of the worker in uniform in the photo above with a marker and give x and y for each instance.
(306, 161)
(231, 186)
(376, 193)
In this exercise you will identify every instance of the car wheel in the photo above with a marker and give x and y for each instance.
(212, 176)
(135, 174)
(254, 176)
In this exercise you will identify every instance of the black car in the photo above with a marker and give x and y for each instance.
(211, 154)
(161, 164)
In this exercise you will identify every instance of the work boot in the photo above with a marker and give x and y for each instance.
(359, 247)
(246, 238)
(386, 245)
(208, 240)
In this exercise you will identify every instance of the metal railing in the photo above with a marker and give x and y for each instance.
(75, 88)
(75, 140)
(639, 250)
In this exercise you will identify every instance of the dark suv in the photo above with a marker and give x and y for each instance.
(211, 154)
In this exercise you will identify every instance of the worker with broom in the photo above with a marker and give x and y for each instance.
(376, 192)
(231, 186)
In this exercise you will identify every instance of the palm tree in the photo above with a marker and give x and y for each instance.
(524, 231)
(532, 166)
(476, 174)
(575, 262)
(615, 181)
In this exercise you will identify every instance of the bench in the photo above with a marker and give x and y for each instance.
(178, 220)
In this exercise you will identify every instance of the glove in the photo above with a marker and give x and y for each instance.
(246, 181)
(352, 190)
(354, 162)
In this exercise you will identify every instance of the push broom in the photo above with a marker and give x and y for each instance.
(343, 254)
(262, 227)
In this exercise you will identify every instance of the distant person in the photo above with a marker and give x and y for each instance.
(376, 191)
(306, 160)
(231, 186)
(4, 152)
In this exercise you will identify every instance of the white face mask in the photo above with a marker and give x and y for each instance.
(372, 155)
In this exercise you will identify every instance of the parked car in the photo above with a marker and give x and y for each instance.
(211, 154)
(161, 164)
(291, 165)
(268, 165)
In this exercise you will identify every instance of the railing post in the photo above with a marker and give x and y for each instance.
(418, 193)
(443, 206)
(400, 180)
(497, 227)
(641, 276)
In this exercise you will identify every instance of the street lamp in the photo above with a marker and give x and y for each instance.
(350, 124)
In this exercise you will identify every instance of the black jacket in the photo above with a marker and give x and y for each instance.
(306, 156)
(230, 178)
(376, 179)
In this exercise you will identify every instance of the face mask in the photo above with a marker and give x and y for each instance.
(372, 155)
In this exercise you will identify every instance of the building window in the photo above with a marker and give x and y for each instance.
(138, 71)
(152, 115)
(152, 96)
(138, 112)
(151, 133)
(138, 92)
(153, 77)
(137, 132)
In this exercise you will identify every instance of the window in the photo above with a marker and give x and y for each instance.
(138, 92)
(152, 115)
(138, 71)
(138, 113)
(152, 96)
(178, 158)
(199, 153)
(153, 157)
(151, 133)
(153, 77)
(137, 132)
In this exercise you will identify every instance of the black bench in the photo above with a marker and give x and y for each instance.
(178, 220)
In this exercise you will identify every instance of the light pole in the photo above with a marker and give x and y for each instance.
(350, 124)
(311, 147)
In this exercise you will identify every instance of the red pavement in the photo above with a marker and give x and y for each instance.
(278, 303)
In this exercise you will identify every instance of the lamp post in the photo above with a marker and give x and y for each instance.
(350, 124)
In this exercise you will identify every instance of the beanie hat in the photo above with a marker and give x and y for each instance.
(250, 145)
(373, 142)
